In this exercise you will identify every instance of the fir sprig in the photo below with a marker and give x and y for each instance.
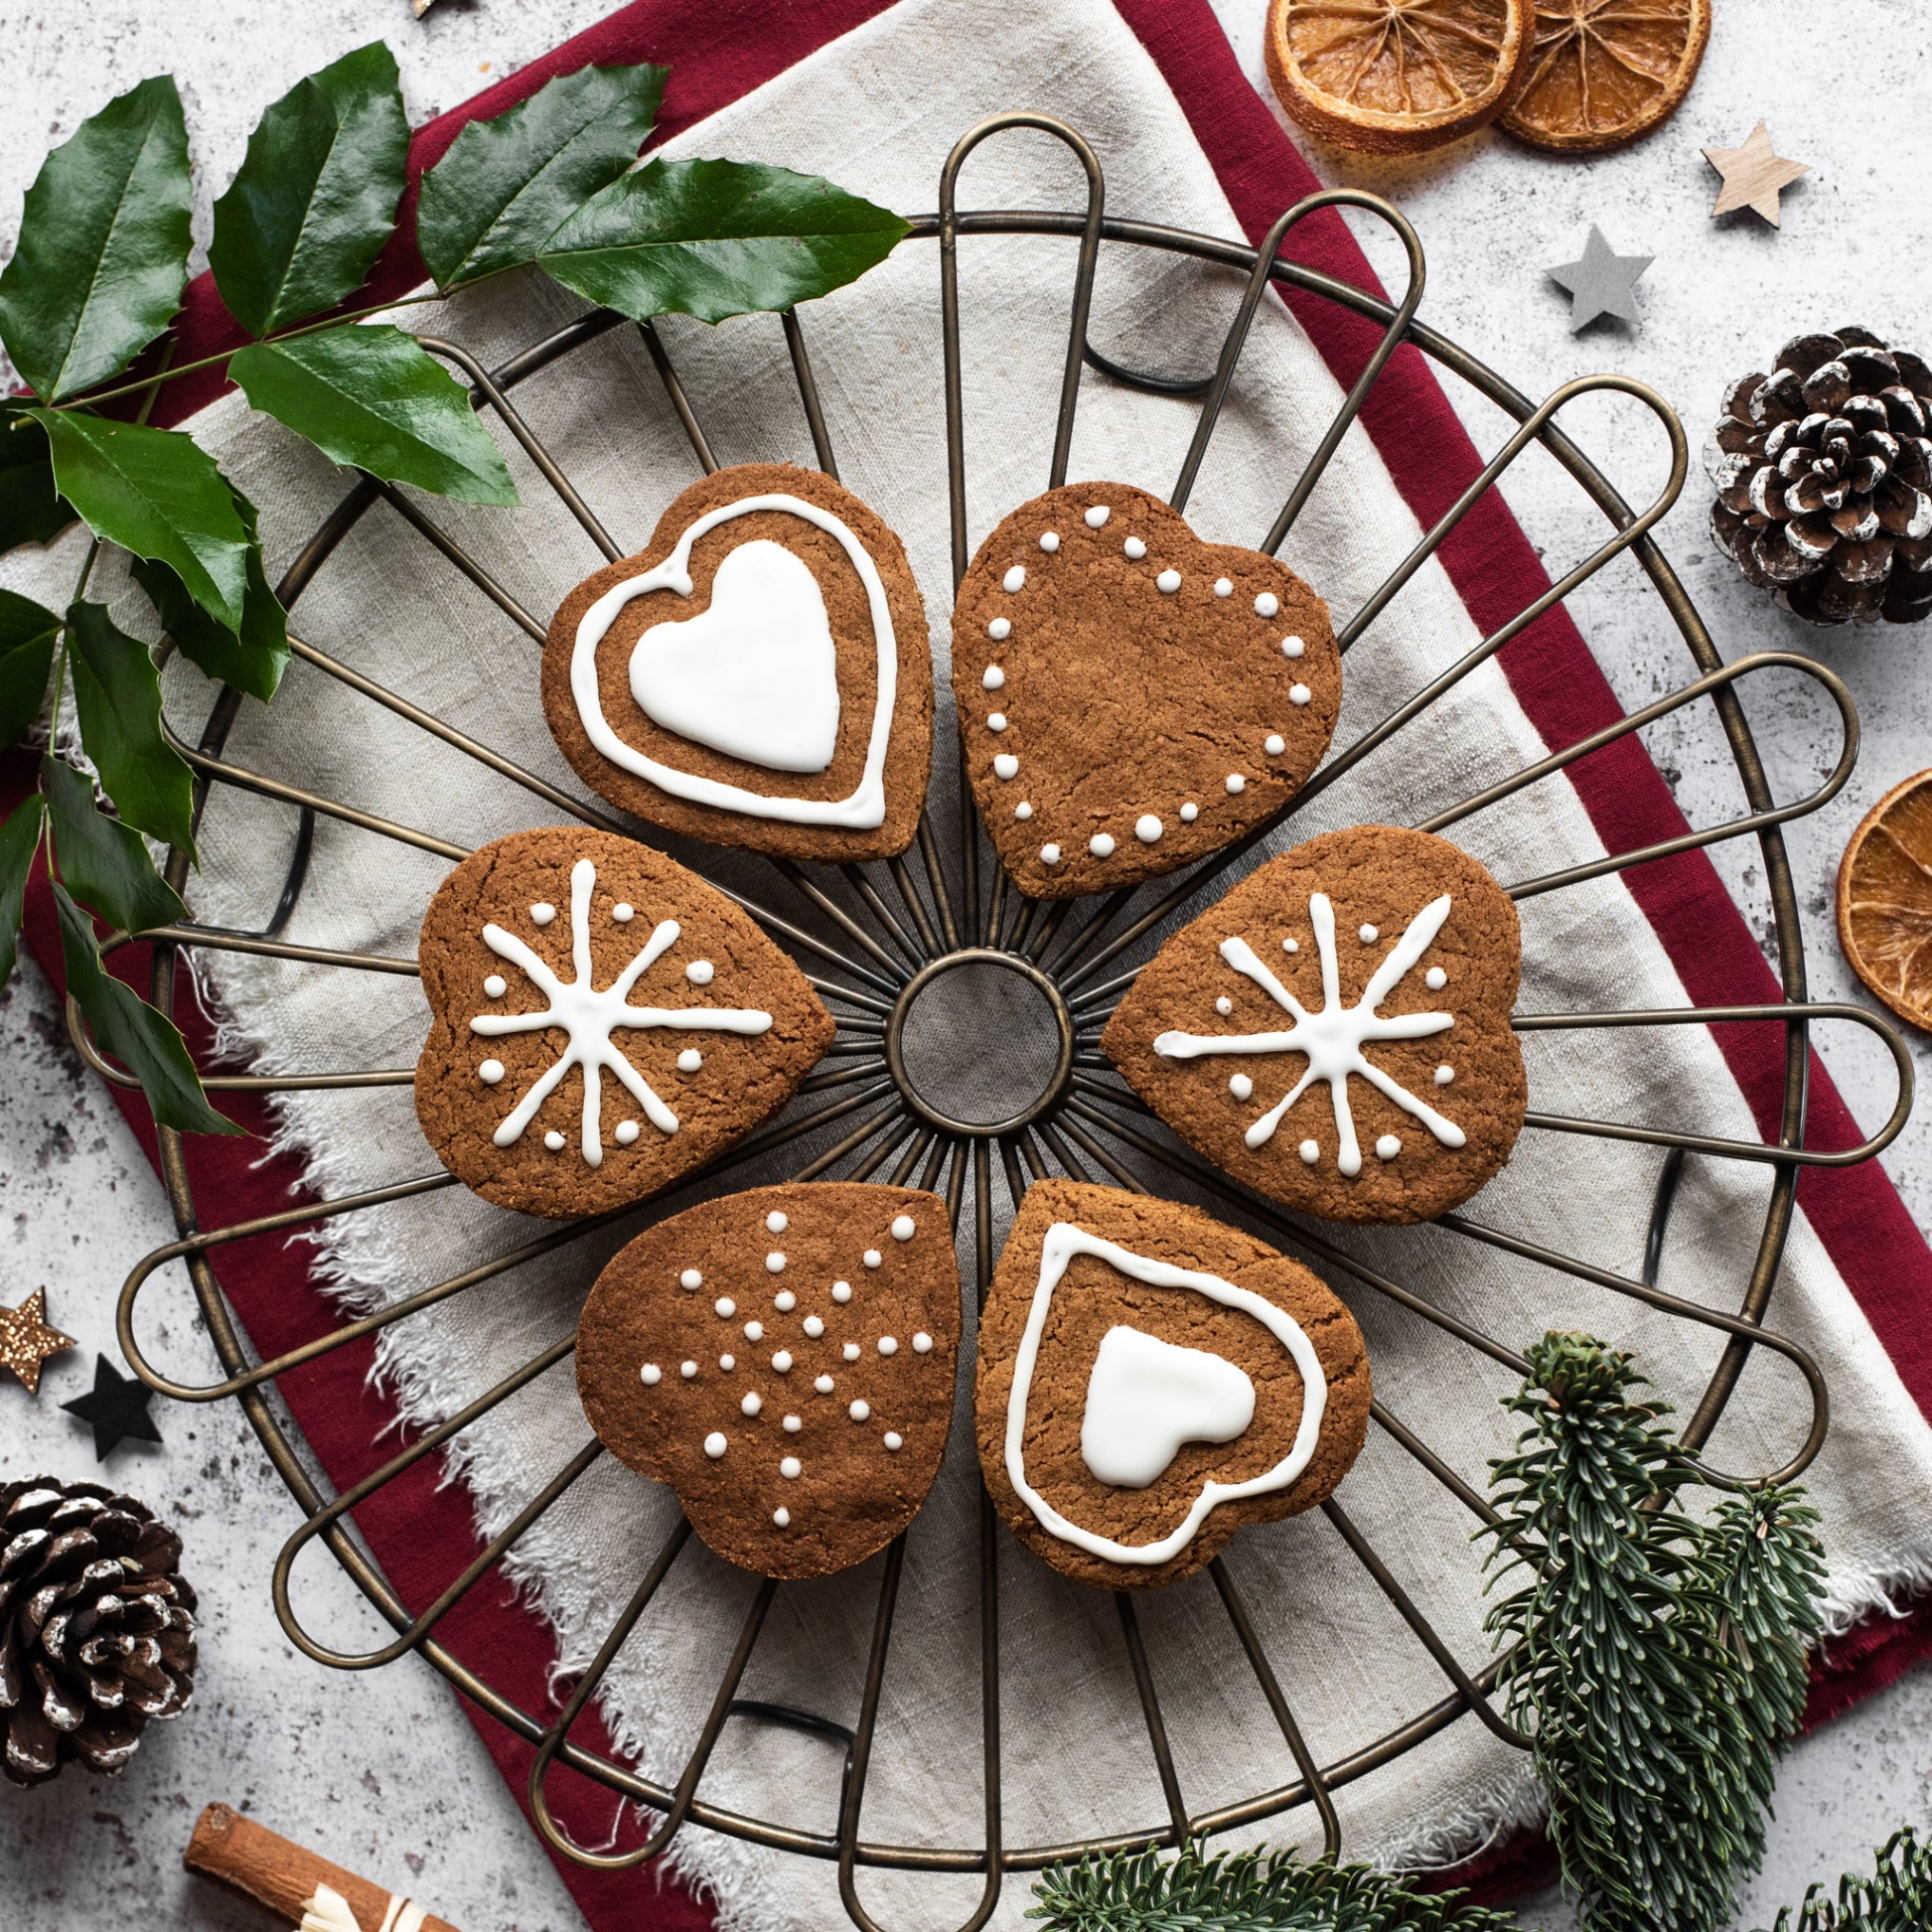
(1657, 1659)
(1245, 1892)
(1897, 1897)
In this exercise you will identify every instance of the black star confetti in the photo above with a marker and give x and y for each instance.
(1603, 283)
(118, 1410)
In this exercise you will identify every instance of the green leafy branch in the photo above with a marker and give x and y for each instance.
(1897, 1897)
(96, 280)
(1658, 1659)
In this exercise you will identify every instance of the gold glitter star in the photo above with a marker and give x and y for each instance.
(1753, 176)
(26, 1341)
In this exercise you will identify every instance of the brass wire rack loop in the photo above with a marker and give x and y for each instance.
(872, 939)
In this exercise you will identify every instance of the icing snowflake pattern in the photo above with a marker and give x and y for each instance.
(590, 1018)
(1333, 1039)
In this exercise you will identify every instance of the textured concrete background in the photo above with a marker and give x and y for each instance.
(383, 1774)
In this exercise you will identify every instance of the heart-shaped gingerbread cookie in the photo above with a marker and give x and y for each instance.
(603, 1022)
(759, 675)
(1336, 1031)
(783, 1360)
(1130, 697)
(1149, 1380)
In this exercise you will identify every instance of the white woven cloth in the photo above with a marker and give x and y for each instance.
(877, 112)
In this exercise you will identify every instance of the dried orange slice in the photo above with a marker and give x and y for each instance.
(1396, 76)
(1885, 900)
(1603, 72)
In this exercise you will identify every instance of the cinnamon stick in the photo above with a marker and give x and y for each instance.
(300, 1886)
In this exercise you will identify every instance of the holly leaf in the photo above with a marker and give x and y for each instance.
(370, 398)
(102, 254)
(717, 238)
(31, 509)
(28, 633)
(315, 198)
(117, 693)
(505, 184)
(101, 860)
(252, 657)
(157, 493)
(142, 1038)
(20, 838)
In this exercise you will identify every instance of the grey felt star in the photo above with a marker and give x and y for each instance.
(1602, 283)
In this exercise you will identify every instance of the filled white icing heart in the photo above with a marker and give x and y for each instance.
(1147, 1397)
(755, 674)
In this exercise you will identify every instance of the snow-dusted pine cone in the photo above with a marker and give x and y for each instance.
(1823, 476)
(97, 1629)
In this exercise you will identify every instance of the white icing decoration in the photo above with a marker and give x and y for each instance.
(1063, 1242)
(893, 1440)
(1237, 784)
(1049, 854)
(752, 1404)
(1024, 809)
(903, 1227)
(781, 1361)
(689, 1061)
(625, 1132)
(755, 674)
(542, 913)
(1135, 549)
(813, 1326)
(873, 1259)
(850, 1351)
(623, 912)
(824, 1385)
(1266, 604)
(1147, 828)
(1189, 813)
(1333, 1038)
(688, 1370)
(792, 1425)
(650, 1375)
(700, 972)
(774, 1262)
(754, 1332)
(1006, 766)
(993, 678)
(1290, 946)
(791, 1469)
(590, 1017)
(1097, 516)
(554, 1141)
(781, 1516)
(1000, 629)
(495, 986)
(997, 721)
(1168, 582)
(922, 1343)
(691, 1279)
(490, 1072)
(727, 1363)
(1299, 694)
(785, 1301)
(1224, 1007)
(888, 1345)
(725, 1307)
(1368, 934)
(860, 1410)
(1223, 588)
(715, 1445)
(1274, 744)
(1444, 1075)
(1240, 1086)
(1435, 980)
(842, 1291)
(863, 807)
(1014, 579)
(1387, 1147)
(1147, 1397)
(1101, 845)
(1050, 541)
(1292, 647)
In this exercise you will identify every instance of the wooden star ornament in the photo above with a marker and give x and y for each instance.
(26, 1341)
(1755, 177)
(116, 1409)
(1601, 282)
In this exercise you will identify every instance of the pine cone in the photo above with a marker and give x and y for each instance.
(97, 1630)
(1823, 476)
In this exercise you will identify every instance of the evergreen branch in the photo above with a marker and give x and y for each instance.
(1246, 1891)
(1897, 1897)
(1658, 1659)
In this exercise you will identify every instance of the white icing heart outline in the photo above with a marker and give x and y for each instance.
(864, 808)
(1063, 1242)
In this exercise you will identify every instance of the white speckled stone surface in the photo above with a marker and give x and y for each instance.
(383, 1774)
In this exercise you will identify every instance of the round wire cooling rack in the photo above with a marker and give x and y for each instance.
(886, 933)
